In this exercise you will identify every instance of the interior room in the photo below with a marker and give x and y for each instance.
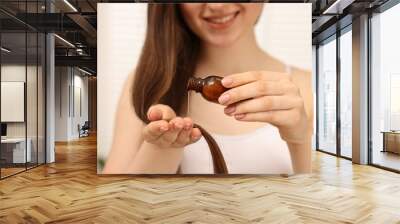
(49, 128)
(22, 102)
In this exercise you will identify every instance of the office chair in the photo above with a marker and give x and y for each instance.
(84, 130)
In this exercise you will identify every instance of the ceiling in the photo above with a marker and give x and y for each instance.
(75, 22)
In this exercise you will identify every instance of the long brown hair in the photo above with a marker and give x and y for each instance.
(167, 61)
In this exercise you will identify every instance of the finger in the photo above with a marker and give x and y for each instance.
(160, 112)
(239, 79)
(154, 130)
(251, 90)
(195, 135)
(188, 121)
(154, 114)
(277, 118)
(184, 136)
(176, 125)
(265, 103)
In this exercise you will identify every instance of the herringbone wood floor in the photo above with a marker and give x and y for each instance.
(70, 191)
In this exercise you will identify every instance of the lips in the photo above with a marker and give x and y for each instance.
(222, 21)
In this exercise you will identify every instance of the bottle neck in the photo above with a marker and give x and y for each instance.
(195, 84)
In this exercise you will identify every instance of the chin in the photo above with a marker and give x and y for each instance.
(222, 42)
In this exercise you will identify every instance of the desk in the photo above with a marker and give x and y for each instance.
(391, 141)
(13, 150)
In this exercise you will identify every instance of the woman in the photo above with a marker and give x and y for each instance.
(263, 123)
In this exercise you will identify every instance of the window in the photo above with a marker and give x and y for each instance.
(314, 87)
(346, 93)
(327, 96)
(385, 89)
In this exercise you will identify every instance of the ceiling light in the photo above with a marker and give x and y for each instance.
(84, 71)
(70, 5)
(65, 41)
(338, 6)
(5, 50)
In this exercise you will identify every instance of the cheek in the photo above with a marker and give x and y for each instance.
(253, 12)
(190, 13)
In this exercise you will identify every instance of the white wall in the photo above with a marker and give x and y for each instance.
(80, 83)
(61, 103)
(118, 51)
(67, 81)
(283, 30)
(12, 73)
(33, 127)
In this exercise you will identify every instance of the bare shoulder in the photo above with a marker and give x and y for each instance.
(127, 136)
(126, 119)
(275, 65)
(299, 73)
(125, 102)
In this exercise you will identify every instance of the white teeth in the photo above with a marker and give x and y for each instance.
(222, 19)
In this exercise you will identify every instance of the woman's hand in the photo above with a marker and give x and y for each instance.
(166, 130)
(267, 97)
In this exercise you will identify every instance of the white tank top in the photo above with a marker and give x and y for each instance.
(259, 152)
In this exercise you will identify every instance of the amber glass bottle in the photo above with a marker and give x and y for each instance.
(210, 87)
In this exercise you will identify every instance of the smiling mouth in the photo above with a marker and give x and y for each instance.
(221, 20)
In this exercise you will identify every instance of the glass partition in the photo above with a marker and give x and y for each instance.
(22, 63)
(14, 153)
(327, 96)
